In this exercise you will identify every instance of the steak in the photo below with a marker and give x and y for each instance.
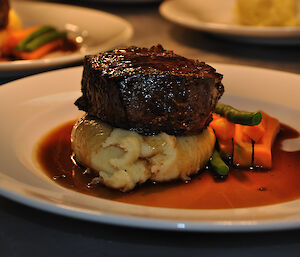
(4, 10)
(149, 90)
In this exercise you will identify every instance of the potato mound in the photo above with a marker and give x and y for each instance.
(124, 158)
(267, 12)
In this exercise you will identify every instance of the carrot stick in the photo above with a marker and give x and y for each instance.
(242, 149)
(254, 133)
(223, 128)
(263, 136)
(263, 148)
(41, 51)
(224, 131)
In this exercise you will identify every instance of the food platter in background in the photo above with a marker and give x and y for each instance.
(217, 17)
(98, 31)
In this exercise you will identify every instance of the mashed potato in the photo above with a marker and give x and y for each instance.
(267, 12)
(124, 158)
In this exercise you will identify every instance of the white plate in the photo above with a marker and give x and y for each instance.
(99, 30)
(31, 107)
(216, 16)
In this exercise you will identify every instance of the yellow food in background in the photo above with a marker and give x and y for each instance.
(267, 12)
(14, 23)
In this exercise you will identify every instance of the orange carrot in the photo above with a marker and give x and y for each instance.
(223, 128)
(242, 136)
(242, 149)
(263, 148)
(40, 51)
(254, 133)
(224, 131)
(14, 37)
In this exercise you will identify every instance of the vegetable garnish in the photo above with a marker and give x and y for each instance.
(224, 131)
(36, 42)
(238, 117)
(43, 39)
(41, 51)
(40, 37)
(263, 148)
(33, 35)
(244, 145)
(218, 165)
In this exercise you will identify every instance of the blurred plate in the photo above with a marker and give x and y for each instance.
(217, 17)
(33, 106)
(99, 30)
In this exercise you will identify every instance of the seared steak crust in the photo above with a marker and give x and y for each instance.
(149, 90)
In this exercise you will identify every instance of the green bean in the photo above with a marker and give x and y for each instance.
(43, 39)
(218, 165)
(44, 29)
(238, 117)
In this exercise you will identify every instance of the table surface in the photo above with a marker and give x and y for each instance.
(25, 231)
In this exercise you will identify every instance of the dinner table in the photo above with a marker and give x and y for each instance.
(29, 231)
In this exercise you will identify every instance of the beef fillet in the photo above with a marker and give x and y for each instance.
(149, 90)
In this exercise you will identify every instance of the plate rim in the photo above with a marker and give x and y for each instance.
(149, 223)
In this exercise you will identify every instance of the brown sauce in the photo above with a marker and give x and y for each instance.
(242, 188)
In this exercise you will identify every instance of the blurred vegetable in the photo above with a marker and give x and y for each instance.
(14, 37)
(41, 51)
(43, 39)
(22, 45)
(35, 42)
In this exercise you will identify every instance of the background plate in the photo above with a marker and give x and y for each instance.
(32, 106)
(100, 31)
(217, 17)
